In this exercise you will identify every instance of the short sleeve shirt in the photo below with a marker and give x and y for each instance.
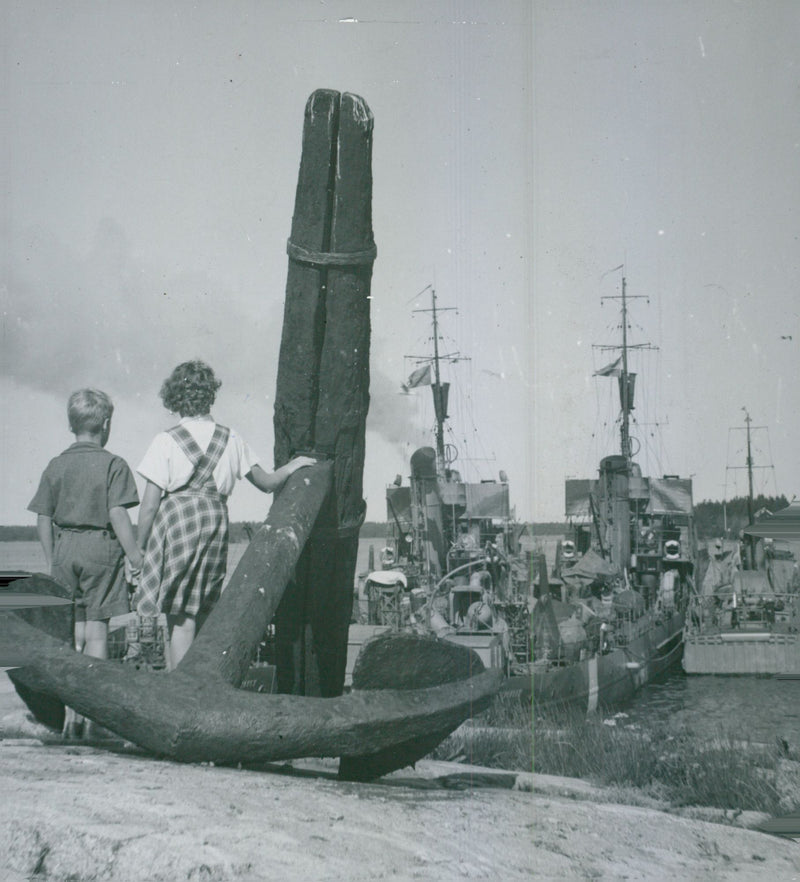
(81, 485)
(168, 467)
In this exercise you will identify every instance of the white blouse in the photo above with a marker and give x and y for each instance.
(167, 466)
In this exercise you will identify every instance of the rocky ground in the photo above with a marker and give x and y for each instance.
(78, 812)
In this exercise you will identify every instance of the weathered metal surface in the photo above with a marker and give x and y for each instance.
(322, 393)
(191, 719)
(297, 388)
(407, 661)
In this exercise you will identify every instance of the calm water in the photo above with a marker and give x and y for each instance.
(28, 556)
(756, 708)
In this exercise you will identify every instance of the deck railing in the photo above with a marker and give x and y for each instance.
(715, 613)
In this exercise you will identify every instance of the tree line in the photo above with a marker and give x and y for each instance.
(712, 519)
(718, 519)
(240, 531)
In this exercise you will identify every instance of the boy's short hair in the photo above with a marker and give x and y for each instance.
(190, 389)
(88, 410)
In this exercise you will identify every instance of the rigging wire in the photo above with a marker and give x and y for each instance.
(739, 477)
(644, 418)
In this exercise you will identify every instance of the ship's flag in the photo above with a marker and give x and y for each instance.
(611, 370)
(420, 377)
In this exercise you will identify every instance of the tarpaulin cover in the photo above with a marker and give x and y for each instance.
(577, 497)
(590, 566)
(629, 601)
(388, 578)
(783, 577)
(571, 631)
(488, 500)
(667, 495)
(719, 572)
(670, 496)
(546, 637)
(398, 506)
(749, 582)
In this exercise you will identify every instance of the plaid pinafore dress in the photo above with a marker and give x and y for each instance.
(187, 550)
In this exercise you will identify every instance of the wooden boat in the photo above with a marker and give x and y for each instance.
(612, 619)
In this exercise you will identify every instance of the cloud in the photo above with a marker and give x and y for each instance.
(108, 319)
(393, 415)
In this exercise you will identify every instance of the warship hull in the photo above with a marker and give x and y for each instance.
(607, 681)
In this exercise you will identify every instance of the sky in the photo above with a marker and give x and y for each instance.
(523, 150)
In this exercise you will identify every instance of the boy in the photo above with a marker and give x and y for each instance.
(83, 523)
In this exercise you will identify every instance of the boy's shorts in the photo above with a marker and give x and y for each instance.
(91, 564)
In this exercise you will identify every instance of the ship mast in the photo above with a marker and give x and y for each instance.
(626, 379)
(439, 389)
(440, 411)
(625, 432)
(747, 421)
(749, 465)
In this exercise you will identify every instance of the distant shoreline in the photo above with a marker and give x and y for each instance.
(241, 531)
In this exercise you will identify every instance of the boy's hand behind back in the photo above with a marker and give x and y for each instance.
(133, 563)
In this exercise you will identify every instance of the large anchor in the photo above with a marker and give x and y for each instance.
(409, 692)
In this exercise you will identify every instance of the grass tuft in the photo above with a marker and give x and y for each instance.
(673, 766)
(728, 773)
(499, 738)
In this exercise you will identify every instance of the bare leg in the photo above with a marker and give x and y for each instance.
(80, 635)
(182, 629)
(73, 722)
(96, 645)
(96, 639)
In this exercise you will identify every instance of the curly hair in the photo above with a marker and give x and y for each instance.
(190, 389)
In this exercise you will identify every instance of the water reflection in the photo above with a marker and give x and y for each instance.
(755, 708)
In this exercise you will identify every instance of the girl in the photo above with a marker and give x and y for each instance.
(190, 470)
